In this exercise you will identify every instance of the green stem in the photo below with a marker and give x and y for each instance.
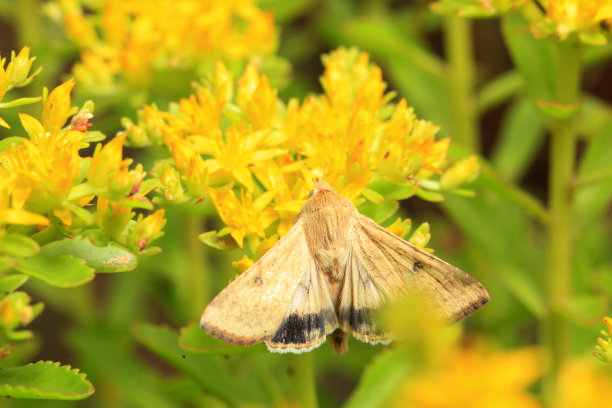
(560, 231)
(197, 278)
(305, 389)
(458, 47)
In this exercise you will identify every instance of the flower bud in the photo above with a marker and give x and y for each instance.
(18, 69)
(464, 171)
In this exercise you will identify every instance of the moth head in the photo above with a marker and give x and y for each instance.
(321, 185)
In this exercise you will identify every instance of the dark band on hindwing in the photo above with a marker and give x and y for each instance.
(303, 330)
(362, 323)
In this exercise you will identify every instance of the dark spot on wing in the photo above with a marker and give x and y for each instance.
(258, 281)
(360, 320)
(300, 329)
(417, 266)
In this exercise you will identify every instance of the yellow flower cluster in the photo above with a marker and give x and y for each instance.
(589, 20)
(474, 377)
(17, 74)
(470, 377)
(603, 349)
(256, 157)
(38, 173)
(16, 312)
(134, 39)
(582, 16)
(44, 180)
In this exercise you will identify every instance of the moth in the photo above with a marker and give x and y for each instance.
(327, 276)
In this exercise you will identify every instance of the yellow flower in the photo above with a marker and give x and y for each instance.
(133, 39)
(243, 215)
(582, 384)
(344, 130)
(15, 310)
(603, 349)
(11, 205)
(147, 229)
(237, 151)
(461, 172)
(284, 175)
(197, 116)
(18, 69)
(572, 15)
(57, 107)
(400, 228)
(475, 378)
(256, 98)
(17, 74)
(582, 17)
(45, 166)
(112, 217)
(109, 172)
(243, 264)
(240, 139)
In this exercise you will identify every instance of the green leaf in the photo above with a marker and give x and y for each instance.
(522, 285)
(11, 282)
(381, 380)
(499, 90)
(208, 371)
(109, 258)
(592, 200)
(44, 380)
(18, 245)
(145, 205)
(393, 191)
(94, 136)
(217, 239)
(64, 271)
(521, 137)
(424, 92)
(84, 214)
(557, 111)
(379, 35)
(193, 338)
(596, 38)
(379, 212)
(533, 57)
(595, 117)
(20, 102)
(5, 143)
(83, 190)
(585, 309)
(373, 196)
(285, 11)
(7, 262)
(429, 195)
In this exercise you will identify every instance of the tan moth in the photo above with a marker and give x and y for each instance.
(327, 276)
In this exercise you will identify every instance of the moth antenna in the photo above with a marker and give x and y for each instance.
(324, 166)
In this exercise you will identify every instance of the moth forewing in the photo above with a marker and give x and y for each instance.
(253, 306)
(328, 276)
(456, 293)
